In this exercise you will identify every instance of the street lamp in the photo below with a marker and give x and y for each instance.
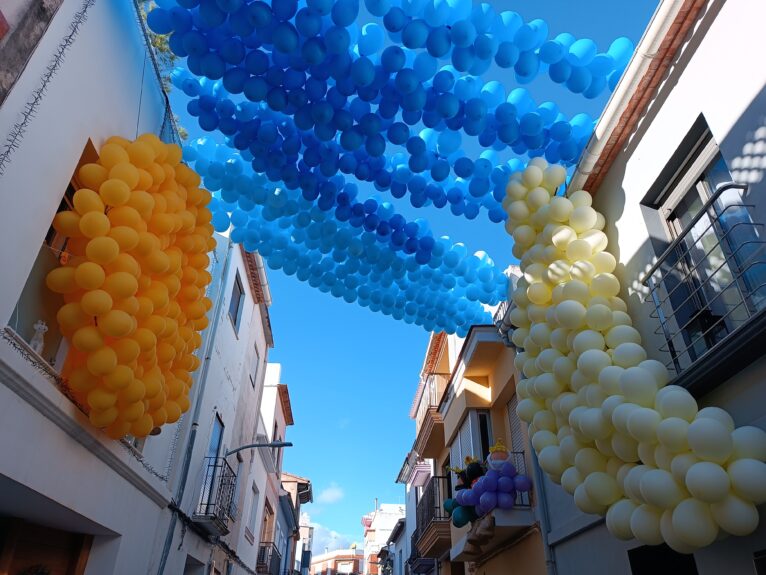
(254, 445)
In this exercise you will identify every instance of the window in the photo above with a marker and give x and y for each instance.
(644, 561)
(759, 562)
(235, 498)
(712, 277)
(517, 435)
(253, 509)
(235, 305)
(472, 439)
(256, 365)
(208, 494)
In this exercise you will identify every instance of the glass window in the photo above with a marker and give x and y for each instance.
(256, 365)
(253, 509)
(714, 277)
(644, 561)
(473, 438)
(235, 305)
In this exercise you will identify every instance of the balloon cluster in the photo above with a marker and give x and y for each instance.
(482, 488)
(134, 284)
(601, 418)
(345, 256)
(289, 149)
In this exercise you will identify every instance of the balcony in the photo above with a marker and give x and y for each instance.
(417, 563)
(269, 559)
(708, 289)
(215, 506)
(433, 523)
(428, 420)
(496, 529)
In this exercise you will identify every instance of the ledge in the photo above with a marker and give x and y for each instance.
(22, 377)
(722, 362)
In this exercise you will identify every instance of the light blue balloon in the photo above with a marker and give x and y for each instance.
(448, 142)
(582, 52)
(436, 13)
(371, 40)
(425, 66)
(621, 50)
(506, 27)
(493, 94)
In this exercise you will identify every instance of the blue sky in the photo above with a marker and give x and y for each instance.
(352, 373)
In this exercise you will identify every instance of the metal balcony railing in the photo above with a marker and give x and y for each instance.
(430, 508)
(215, 504)
(520, 463)
(269, 559)
(434, 386)
(711, 280)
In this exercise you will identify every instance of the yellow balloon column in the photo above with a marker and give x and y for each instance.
(601, 419)
(134, 284)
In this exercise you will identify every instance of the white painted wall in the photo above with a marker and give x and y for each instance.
(716, 75)
(98, 92)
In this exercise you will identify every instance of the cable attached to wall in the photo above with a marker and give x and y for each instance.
(16, 135)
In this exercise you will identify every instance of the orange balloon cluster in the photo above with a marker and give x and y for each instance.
(134, 286)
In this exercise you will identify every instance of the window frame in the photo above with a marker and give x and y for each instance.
(240, 301)
(469, 431)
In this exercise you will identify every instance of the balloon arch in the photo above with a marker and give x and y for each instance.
(304, 104)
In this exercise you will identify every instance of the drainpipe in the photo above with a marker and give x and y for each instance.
(178, 498)
(646, 52)
(263, 279)
(543, 515)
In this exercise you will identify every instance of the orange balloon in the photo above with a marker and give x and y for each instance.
(120, 285)
(96, 302)
(86, 200)
(126, 172)
(127, 350)
(102, 418)
(126, 237)
(89, 275)
(93, 175)
(61, 280)
(112, 154)
(67, 223)
(143, 426)
(120, 378)
(114, 192)
(103, 250)
(94, 224)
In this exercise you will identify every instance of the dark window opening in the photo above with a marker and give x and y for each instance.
(235, 305)
(645, 561)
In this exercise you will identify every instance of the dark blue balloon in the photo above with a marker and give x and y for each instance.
(560, 71)
(159, 21)
(363, 71)
(392, 59)
(439, 42)
(337, 40)
(395, 19)
(345, 12)
(308, 22)
(415, 34)
(507, 55)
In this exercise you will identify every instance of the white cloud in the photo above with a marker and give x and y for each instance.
(325, 538)
(331, 494)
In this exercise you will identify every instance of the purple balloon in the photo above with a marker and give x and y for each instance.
(488, 500)
(478, 487)
(492, 474)
(505, 485)
(460, 496)
(470, 497)
(505, 500)
(479, 509)
(522, 483)
(508, 470)
(490, 483)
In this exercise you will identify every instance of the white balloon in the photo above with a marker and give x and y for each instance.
(707, 482)
(618, 519)
(694, 524)
(710, 440)
(645, 525)
(748, 478)
(659, 488)
(735, 515)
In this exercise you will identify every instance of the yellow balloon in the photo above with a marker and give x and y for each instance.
(71, 316)
(68, 224)
(103, 418)
(118, 429)
(115, 323)
(101, 399)
(120, 285)
(87, 339)
(89, 276)
(125, 216)
(103, 250)
(114, 192)
(126, 237)
(141, 154)
(61, 280)
(112, 154)
(146, 339)
(143, 426)
(127, 350)
(93, 175)
(135, 391)
(102, 361)
(126, 172)
(120, 378)
(94, 224)
(125, 263)
(133, 411)
(173, 411)
(81, 380)
(86, 200)
(129, 305)
(96, 302)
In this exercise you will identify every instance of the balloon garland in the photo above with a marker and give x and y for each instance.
(134, 284)
(601, 419)
(343, 255)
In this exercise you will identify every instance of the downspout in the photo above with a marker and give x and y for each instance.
(178, 498)
(646, 51)
(263, 279)
(544, 516)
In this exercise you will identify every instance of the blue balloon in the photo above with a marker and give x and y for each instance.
(582, 52)
(308, 22)
(439, 41)
(377, 7)
(392, 59)
(415, 34)
(395, 20)
(345, 12)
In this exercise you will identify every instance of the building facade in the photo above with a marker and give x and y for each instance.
(71, 495)
(677, 172)
(344, 561)
(464, 404)
(378, 526)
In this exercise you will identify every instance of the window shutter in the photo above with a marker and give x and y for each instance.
(517, 435)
